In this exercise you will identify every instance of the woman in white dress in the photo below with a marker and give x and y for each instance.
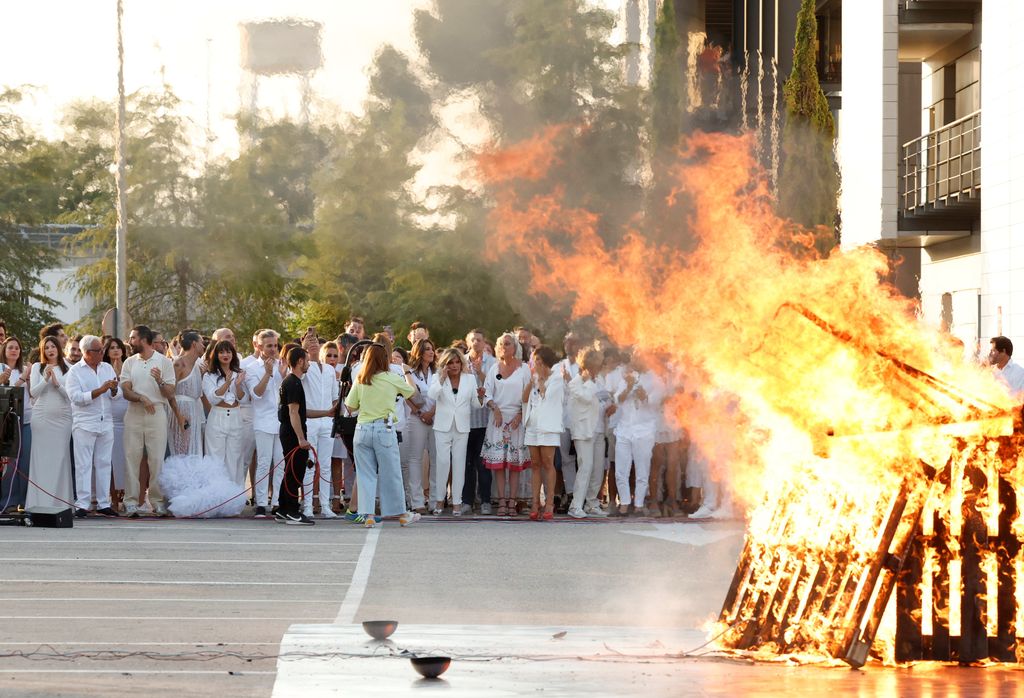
(503, 450)
(50, 466)
(543, 416)
(114, 353)
(14, 372)
(419, 429)
(185, 437)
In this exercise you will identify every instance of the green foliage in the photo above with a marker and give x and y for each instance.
(668, 82)
(809, 180)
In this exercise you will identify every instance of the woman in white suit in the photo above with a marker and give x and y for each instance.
(543, 397)
(454, 388)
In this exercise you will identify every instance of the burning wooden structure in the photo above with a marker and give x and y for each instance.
(942, 531)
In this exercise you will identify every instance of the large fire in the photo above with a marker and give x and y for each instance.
(838, 418)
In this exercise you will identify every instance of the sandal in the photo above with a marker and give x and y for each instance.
(502, 511)
(513, 508)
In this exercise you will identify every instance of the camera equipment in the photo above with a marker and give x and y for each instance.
(12, 411)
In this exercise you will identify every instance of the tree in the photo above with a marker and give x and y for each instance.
(668, 82)
(34, 183)
(809, 181)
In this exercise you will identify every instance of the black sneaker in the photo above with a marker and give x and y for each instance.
(107, 511)
(261, 513)
(280, 517)
(298, 520)
(81, 513)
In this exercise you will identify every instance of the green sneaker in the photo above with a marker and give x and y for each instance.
(354, 517)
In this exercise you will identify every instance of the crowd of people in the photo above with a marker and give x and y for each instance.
(355, 427)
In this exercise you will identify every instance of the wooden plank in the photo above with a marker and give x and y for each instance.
(973, 633)
(909, 637)
(939, 641)
(1003, 646)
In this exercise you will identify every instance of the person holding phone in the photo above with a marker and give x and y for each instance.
(16, 373)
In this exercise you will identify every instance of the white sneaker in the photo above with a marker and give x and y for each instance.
(131, 511)
(408, 518)
(485, 508)
(577, 513)
(464, 509)
(705, 512)
(326, 513)
(437, 511)
(596, 512)
(161, 511)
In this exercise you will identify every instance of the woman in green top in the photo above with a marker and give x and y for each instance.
(376, 441)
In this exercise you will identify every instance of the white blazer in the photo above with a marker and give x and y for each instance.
(453, 411)
(545, 413)
(584, 408)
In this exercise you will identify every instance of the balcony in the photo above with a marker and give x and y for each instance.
(940, 175)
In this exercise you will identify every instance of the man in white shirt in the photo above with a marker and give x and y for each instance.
(569, 370)
(320, 384)
(147, 379)
(263, 379)
(1008, 372)
(90, 385)
(637, 393)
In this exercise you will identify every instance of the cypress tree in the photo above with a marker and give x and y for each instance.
(809, 180)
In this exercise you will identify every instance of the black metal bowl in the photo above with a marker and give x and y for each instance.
(380, 629)
(430, 667)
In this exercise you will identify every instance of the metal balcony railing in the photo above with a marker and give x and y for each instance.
(941, 170)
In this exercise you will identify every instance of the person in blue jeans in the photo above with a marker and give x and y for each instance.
(373, 393)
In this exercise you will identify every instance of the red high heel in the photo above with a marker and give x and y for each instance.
(534, 515)
(548, 515)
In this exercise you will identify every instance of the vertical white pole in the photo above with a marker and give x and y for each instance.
(121, 260)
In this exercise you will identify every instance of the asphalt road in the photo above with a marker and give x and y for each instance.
(173, 608)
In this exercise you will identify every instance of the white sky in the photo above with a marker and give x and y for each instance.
(68, 50)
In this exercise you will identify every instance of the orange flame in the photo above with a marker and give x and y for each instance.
(809, 380)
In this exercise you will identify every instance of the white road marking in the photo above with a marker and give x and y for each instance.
(156, 672)
(22, 542)
(244, 561)
(178, 582)
(360, 578)
(197, 645)
(112, 599)
(112, 618)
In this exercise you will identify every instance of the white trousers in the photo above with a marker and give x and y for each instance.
(590, 459)
(144, 433)
(269, 466)
(92, 460)
(248, 436)
(224, 439)
(318, 434)
(416, 438)
(451, 458)
(569, 462)
(636, 451)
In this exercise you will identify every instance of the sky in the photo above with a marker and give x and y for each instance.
(67, 49)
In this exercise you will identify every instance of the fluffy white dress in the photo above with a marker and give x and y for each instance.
(200, 486)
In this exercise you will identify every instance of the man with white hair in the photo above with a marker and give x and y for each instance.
(90, 385)
(263, 382)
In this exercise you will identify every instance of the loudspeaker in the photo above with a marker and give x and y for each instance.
(49, 517)
(12, 408)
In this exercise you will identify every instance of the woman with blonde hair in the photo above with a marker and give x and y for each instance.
(454, 390)
(503, 450)
(376, 442)
(586, 422)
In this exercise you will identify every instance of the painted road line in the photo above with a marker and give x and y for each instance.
(360, 578)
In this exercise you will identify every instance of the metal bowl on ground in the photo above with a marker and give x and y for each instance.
(430, 667)
(380, 629)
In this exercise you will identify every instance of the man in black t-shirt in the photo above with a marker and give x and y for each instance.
(291, 415)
